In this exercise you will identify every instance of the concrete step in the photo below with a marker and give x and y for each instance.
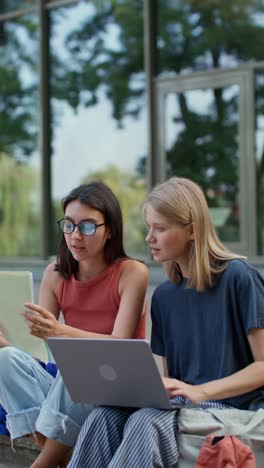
(23, 454)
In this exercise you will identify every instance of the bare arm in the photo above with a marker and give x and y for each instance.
(49, 290)
(165, 367)
(132, 289)
(247, 379)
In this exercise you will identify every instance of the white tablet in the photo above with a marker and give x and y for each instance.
(16, 288)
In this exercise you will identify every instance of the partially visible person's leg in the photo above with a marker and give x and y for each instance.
(149, 440)
(24, 385)
(115, 438)
(99, 438)
(52, 455)
(60, 421)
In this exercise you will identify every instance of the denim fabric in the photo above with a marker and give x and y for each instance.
(24, 385)
(34, 400)
(60, 418)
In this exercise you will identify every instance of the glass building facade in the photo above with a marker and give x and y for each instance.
(131, 93)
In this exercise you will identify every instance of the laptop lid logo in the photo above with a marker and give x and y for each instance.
(107, 372)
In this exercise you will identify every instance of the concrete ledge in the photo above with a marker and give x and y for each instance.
(23, 455)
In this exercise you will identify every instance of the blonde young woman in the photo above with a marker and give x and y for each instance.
(207, 324)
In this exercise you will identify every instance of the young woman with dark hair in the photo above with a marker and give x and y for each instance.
(101, 293)
(100, 198)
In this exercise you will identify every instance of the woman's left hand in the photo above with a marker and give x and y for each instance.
(40, 321)
(174, 387)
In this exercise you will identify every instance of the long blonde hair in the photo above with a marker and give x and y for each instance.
(183, 201)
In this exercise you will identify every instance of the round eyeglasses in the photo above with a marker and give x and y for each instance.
(85, 227)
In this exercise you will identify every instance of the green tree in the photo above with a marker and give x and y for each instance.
(95, 64)
(19, 214)
(18, 87)
(197, 35)
(192, 35)
(19, 120)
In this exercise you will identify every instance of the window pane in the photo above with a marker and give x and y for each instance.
(19, 156)
(98, 105)
(7, 6)
(202, 144)
(208, 34)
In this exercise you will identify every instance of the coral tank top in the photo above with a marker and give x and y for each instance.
(93, 305)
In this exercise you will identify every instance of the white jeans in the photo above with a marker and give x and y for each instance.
(34, 400)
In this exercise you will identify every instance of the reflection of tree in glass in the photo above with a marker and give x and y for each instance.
(192, 35)
(12, 5)
(198, 35)
(206, 147)
(18, 87)
(19, 203)
(19, 217)
(104, 52)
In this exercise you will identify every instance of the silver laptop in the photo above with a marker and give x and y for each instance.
(110, 372)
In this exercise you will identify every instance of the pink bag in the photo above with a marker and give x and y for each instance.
(225, 452)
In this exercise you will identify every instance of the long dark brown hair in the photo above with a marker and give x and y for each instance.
(100, 197)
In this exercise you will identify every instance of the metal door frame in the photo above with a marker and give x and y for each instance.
(244, 78)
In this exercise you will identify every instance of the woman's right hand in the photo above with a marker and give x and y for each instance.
(174, 387)
(41, 323)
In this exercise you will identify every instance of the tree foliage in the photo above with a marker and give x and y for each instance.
(192, 35)
(97, 62)
(19, 213)
(18, 88)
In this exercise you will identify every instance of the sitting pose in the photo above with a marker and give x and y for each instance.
(207, 324)
(101, 293)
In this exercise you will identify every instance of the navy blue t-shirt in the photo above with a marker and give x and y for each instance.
(203, 335)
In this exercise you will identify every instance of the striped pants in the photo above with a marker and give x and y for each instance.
(124, 438)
